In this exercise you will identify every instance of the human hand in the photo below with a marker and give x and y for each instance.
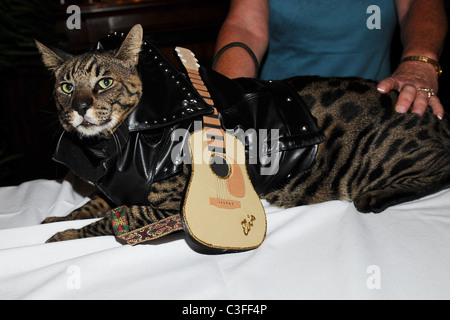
(407, 79)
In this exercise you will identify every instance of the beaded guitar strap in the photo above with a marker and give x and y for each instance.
(150, 232)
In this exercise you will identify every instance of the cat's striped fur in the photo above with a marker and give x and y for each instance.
(164, 200)
(373, 156)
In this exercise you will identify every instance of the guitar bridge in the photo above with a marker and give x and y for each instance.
(224, 203)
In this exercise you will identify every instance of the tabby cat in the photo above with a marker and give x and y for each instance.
(373, 155)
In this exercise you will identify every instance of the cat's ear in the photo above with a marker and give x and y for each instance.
(51, 59)
(131, 46)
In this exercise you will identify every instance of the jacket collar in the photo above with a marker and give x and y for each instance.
(90, 158)
(168, 96)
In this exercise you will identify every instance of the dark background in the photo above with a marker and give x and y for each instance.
(29, 129)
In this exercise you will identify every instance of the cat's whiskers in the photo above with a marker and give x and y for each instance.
(59, 141)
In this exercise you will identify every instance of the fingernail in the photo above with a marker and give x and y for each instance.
(439, 117)
(401, 109)
(381, 89)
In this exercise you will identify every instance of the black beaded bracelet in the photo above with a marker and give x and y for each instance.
(236, 44)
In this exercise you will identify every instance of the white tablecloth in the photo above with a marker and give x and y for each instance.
(324, 251)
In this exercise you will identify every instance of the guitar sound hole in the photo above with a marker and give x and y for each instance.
(219, 166)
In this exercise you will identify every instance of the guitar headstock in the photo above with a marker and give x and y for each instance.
(188, 58)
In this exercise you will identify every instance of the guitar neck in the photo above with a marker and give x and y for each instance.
(229, 203)
(212, 124)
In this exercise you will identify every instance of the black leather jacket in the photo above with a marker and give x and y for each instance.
(140, 152)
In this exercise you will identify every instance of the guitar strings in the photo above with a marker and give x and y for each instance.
(213, 123)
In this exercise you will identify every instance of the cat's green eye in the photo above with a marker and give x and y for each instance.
(105, 83)
(67, 88)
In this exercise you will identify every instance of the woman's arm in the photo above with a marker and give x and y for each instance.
(423, 28)
(247, 22)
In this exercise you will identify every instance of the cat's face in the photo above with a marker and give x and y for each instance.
(95, 92)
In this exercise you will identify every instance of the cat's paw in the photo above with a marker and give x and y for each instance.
(52, 219)
(372, 201)
(69, 234)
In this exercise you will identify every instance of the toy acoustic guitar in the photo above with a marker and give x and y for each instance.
(221, 210)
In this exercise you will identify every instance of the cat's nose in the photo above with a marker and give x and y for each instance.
(81, 103)
(82, 108)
